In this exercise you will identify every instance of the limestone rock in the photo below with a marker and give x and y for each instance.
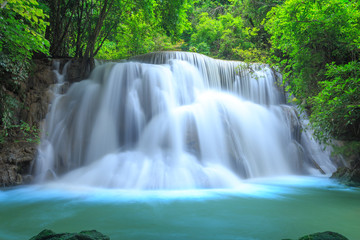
(15, 162)
(74, 71)
(37, 97)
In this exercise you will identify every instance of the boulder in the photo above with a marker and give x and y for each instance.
(324, 236)
(83, 235)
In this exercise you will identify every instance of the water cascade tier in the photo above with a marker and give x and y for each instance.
(174, 120)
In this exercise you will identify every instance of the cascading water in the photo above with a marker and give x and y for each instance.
(174, 120)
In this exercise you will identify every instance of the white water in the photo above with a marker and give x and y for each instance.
(180, 120)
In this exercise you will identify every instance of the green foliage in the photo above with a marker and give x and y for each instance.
(8, 112)
(120, 29)
(231, 29)
(22, 27)
(316, 44)
(348, 149)
(336, 109)
(135, 35)
(22, 30)
(29, 133)
(251, 55)
(310, 34)
(219, 33)
(253, 14)
(20, 132)
(172, 16)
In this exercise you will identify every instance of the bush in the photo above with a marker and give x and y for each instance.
(336, 109)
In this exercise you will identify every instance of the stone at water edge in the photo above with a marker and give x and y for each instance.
(323, 236)
(83, 235)
(348, 176)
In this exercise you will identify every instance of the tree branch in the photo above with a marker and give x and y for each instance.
(106, 36)
(3, 4)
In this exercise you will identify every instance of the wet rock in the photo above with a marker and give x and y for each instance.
(19, 150)
(349, 153)
(74, 72)
(83, 235)
(15, 162)
(348, 176)
(293, 121)
(37, 97)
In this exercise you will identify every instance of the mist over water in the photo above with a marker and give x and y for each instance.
(175, 121)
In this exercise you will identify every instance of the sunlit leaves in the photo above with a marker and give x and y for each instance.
(337, 106)
(320, 42)
(219, 36)
(22, 27)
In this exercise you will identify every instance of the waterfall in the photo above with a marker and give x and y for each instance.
(173, 120)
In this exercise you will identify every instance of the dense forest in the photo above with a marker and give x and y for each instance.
(315, 45)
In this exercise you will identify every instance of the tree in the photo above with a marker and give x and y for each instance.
(254, 13)
(218, 30)
(336, 109)
(229, 29)
(316, 43)
(80, 28)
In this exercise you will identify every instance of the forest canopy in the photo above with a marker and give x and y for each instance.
(315, 44)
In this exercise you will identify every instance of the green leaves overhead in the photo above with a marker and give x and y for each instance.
(22, 28)
(84, 27)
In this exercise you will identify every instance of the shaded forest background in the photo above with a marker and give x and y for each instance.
(315, 44)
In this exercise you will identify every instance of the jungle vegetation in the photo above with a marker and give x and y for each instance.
(315, 44)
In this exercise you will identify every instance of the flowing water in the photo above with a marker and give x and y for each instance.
(179, 146)
(175, 121)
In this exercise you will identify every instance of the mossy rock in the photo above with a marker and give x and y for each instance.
(83, 235)
(323, 236)
(350, 177)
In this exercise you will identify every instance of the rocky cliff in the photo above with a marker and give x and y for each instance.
(20, 148)
(18, 151)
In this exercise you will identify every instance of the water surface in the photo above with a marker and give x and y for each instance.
(259, 209)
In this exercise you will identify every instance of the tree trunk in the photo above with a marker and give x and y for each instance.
(88, 59)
